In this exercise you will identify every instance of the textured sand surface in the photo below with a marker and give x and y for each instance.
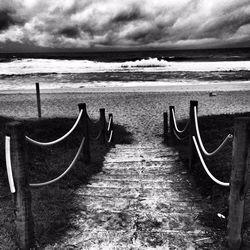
(142, 199)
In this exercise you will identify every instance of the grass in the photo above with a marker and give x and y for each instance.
(52, 206)
(213, 130)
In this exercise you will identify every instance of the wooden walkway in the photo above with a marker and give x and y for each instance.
(142, 199)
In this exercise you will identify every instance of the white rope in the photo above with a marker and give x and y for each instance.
(59, 139)
(97, 137)
(65, 172)
(8, 164)
(200, 141)
(109, 125)
(110, 136)
(226, 184)
(179, 138)
(175, 124)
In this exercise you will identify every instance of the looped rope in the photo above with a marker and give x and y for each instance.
(110, 136)
(97, 137)
(110, 121)
(175, 124)
(225, 184)
(180, 138)
(65, 172)
(8, 164)
(109, 130)
(59, 139)
(200, 141)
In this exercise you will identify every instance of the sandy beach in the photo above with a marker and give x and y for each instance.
(140, 112)
(129, 106)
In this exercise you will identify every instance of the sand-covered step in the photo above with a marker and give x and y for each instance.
(123, 204)
(113, 239)
(137, 153)
(146, 185)
(141, 158)
(135, 194)
(143, 194)
(136, 149)
(133, 165)
(109, 179)
(175, 177)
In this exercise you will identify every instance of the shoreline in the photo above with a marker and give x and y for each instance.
(205, 87)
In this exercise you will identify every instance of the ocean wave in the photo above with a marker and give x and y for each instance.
(242, 75)
(49, 66)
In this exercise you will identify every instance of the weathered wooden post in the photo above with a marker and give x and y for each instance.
(192, 155)
(85, 128)
(22, 196)
(171, 138)
(103, 126)
(165, 126)
(239, 198)
(38, 100)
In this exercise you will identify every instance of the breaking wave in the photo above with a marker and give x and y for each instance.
(46, 66)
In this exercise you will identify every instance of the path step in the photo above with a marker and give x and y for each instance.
(142, 194)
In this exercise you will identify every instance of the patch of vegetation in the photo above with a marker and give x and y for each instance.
(52, 206)
(213, 130)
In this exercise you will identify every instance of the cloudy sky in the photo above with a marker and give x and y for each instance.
(123, 24)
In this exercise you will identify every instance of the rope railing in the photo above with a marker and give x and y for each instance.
(110, 136)
(15, 150)
(226, 184)
(109, 124)
(59, 139)
(180, 138)
(239, 199)
(109, 129)
(95, 138)
(64, 173)
(195, 141)
(175, 124)
(229, 137)
(8, 164)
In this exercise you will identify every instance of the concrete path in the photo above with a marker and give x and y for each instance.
(143, 199)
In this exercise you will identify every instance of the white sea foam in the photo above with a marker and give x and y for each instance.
(31, 66)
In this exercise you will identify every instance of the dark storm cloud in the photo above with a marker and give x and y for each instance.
(9, 17)
(128, 15)
(71, 32)
(126, 24)
(5, 19)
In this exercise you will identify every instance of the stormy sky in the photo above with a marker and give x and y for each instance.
(123, 24)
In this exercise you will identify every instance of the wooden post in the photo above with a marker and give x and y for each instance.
(171, 138)
(239, 198)
(22, 196)
(192, 155)
(165, 126)
(38, 100)
(85, 128)
(103, 126)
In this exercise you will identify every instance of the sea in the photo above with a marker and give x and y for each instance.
(74, 70)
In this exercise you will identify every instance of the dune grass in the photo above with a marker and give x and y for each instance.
(52, 206)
